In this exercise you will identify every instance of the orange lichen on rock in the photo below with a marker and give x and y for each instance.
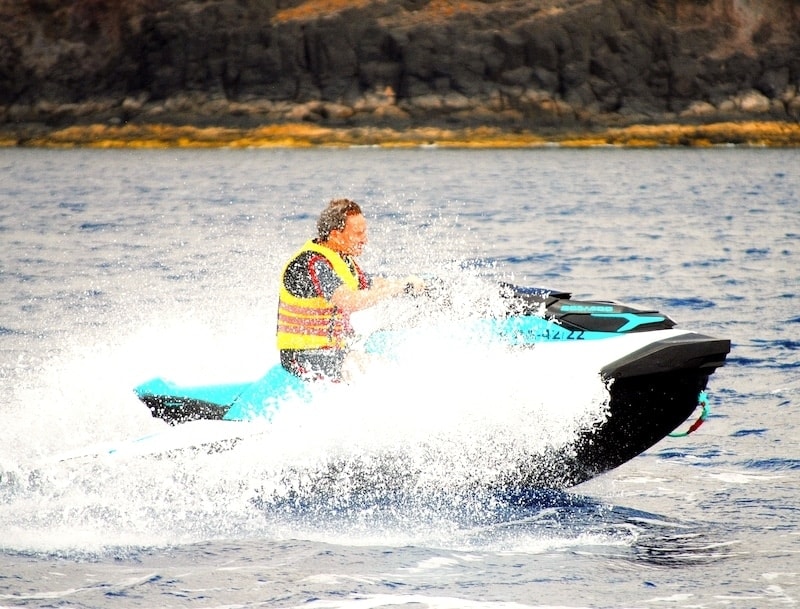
(435, 9)
(448, 8)
(749, 133)
(312, 9)
(305, 135)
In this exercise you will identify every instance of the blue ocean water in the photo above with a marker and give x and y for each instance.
(121, 265)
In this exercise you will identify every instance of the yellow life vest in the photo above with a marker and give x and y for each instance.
(314, 323)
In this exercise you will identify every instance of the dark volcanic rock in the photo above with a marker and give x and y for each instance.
(513, 63)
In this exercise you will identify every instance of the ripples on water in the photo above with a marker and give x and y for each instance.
(117, 266)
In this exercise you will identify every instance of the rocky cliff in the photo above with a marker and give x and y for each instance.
(517, 64)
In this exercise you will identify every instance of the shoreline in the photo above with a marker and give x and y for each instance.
(754, 134)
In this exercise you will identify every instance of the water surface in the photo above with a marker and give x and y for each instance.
(117, 266)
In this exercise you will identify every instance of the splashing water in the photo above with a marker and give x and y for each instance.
(444, 422)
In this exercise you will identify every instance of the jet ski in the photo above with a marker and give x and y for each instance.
(656, 375)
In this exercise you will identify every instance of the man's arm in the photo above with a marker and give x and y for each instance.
(350, 300)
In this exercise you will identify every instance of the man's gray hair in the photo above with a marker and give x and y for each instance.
(334, 216)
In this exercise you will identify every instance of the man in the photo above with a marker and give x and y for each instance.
(321, 286)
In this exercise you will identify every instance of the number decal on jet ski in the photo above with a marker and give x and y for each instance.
(554, 332)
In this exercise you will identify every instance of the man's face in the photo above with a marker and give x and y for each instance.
(353, 237)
